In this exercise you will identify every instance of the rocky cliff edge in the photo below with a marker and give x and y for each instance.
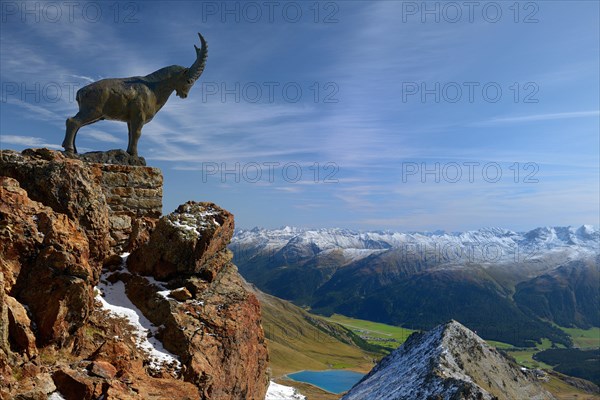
(101, 297)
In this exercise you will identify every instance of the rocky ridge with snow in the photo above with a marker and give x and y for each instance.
(448, 363)
(77, 322)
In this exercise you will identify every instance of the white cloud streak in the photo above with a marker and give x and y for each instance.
(538, 117)
(29, 141)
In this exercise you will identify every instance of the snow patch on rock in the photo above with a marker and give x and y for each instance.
(282, 392)
(193, 223)
(114, 299)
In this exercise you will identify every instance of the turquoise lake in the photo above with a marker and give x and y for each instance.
(334, 381)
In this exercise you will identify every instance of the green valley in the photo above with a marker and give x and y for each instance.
(376, 333)
(299, 340)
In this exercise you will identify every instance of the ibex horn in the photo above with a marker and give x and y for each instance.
(201, 54)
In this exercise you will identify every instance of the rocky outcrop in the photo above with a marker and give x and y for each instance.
(216, 333)
(449, 362)
(67, 186)
(116, 205)
(63, 221)
(134, 200)
(202, 292)
(46, 265)
(190, 241)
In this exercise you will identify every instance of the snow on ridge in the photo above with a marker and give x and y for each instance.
(282, 392)
(408, 363)
(114, 299)
(417, 369)
(441, 363)
(575, 242)
(486, 231)
(357, 254)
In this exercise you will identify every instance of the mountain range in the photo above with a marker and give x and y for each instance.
(508, 286)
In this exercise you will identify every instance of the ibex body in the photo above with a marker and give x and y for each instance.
(133, 100)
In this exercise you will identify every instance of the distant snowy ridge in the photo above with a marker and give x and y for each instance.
(493, 244)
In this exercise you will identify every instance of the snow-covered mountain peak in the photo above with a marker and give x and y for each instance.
(588, 232)
(448, 362)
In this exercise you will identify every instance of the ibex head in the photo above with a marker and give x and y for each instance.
(191, 74)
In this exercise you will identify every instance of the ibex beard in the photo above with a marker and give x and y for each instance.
(134, 100)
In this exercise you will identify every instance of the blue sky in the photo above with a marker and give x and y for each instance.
(367, 115)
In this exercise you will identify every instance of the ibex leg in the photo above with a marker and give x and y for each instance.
(73, 126)
(130, 141)
(135, 131)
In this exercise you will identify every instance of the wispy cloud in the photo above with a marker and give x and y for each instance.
(104, 136)
(34, 110)
(84, 78)
(28, 141)
(538, 117)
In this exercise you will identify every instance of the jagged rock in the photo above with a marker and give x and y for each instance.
(47, 262)
(19, 328)
(106, 199)
(134, 197)
(217, 333)
(114, 346)
(118, 157)
(112, 262)
(140, 232)
(180, 294)
(18, 230)
(61, 219)
(185, 242)
(449, 362)
(67, 186)
(75, 385)
(208, 325)
(37, 388)
(103, 369)
(29, 369)
(6, 357)
(118, 354)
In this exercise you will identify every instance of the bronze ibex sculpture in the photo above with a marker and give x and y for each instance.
(133, 100)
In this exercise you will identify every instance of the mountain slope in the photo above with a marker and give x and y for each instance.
(420, 279)
(568, 295)
(449, 362)
(298, 340)
(422, 300)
